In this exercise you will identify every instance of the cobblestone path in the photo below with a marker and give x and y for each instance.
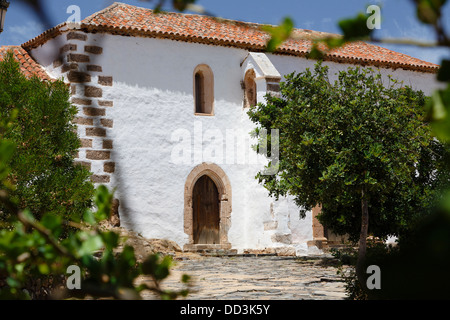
(258, 278)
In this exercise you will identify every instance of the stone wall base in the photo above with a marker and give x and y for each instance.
(205, 247)
(320, 243)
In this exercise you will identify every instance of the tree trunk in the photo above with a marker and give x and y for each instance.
(362, 238)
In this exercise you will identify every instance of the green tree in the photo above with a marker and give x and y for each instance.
(43, 174)
(355, 146)
(418, 267)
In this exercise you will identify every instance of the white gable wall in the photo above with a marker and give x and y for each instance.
(153, 98)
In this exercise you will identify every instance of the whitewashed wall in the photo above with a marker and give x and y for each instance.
(153, 110)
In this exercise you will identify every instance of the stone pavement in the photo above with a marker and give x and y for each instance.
(257, 278)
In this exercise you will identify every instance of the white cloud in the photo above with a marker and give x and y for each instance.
(19, 34)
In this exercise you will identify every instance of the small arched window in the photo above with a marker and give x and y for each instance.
(203, 90)
(250, 89)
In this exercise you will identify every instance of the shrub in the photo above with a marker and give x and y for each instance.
(32, 256)
(42, 176)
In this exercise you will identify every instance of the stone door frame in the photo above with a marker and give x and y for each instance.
(223, 185)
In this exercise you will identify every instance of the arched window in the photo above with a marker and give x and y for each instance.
(203, 90)
(250, 89)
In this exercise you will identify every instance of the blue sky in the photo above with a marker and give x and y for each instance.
(398, 16)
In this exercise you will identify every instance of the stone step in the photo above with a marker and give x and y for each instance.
(217, 252)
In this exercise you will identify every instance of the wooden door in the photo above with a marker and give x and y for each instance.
(206, 211)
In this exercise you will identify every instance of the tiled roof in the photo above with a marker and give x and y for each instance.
(130, 20)
(28, 66)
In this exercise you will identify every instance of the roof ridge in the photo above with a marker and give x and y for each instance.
(193, 14)
(221, 19)
(104, 10)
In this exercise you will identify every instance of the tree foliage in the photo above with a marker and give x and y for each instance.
(42, 176)
(361, 148)
(418, 267)
(337, 139)
(32, 250)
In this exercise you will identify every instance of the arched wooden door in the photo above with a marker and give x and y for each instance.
(206, 211)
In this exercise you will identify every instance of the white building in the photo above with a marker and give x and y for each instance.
(163, 103)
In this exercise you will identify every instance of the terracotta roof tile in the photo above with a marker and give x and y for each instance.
(28, 66)
(129, 20)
